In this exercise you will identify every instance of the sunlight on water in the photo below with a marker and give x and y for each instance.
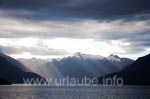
(35, 92)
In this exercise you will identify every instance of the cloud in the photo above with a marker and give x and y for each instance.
(30, 3)
(102, 20)
(135, 32)
(108, 8)
(94, 9)
(38, 50)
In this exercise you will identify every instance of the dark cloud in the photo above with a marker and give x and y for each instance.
(30, 3)
(99, 9)
(109, 8)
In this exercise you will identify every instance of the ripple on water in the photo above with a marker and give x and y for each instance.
(33, 92)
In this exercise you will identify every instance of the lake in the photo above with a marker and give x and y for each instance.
(100, 92)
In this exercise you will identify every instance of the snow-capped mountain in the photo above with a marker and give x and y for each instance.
(78, 65)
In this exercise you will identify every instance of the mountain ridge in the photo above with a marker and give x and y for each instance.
(137, 73)
(78, 65)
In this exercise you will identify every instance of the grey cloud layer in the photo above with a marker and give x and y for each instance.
(42, 51)
(80, 8)
(134, 32)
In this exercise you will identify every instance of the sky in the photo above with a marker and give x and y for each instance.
(59, 28)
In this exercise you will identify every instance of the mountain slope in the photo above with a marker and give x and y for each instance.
(4, 82)
(12, 72)
(15, 62)
(138, 73)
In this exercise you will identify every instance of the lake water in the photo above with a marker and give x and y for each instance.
(101, 92)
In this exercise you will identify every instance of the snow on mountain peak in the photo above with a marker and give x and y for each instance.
(114, 58)
(87, 56)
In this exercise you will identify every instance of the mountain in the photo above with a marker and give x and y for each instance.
(78, 65)
(4, 82)
(13, 71)
(15, 62)
(137, 73)
(81, 65)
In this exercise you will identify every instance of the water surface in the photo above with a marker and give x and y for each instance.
(101, 92)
